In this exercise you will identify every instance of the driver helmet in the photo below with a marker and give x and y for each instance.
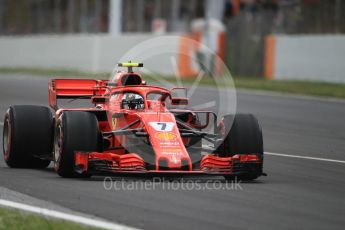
(132, 101)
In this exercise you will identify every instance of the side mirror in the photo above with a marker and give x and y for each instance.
(179, 101)
(99, 100)
(179, 96)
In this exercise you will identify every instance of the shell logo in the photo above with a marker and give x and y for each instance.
(165, 136)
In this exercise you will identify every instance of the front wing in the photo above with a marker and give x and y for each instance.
(110, 163)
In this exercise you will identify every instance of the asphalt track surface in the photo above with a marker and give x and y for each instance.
(297, 194)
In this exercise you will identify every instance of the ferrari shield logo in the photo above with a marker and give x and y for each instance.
(113, 122)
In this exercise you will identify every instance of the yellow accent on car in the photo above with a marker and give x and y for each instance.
(130, 64)
(165, 136)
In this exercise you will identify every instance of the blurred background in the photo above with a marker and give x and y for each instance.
(276, 39)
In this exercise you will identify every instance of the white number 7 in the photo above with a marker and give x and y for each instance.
(162, 126)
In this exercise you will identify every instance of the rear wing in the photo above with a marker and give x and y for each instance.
(74, 88)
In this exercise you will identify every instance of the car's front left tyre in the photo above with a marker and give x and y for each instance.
(243, 136)
(74, 131)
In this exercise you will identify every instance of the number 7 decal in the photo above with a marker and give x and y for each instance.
(162, 126)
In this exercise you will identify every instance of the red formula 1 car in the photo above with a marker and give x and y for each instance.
(130, 129)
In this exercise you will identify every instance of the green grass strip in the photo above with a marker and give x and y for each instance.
(18, 220)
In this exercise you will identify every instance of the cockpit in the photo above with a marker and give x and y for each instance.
(132, 101)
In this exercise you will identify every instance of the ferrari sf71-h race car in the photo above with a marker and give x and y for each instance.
(130, 129)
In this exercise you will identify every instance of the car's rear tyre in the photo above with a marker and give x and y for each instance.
(74, 131)
(28, 136)
(243, 136)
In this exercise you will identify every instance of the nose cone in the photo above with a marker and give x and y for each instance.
(169, 149)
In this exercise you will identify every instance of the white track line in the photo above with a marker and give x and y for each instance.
(1, 123)
(64, 216)
(304, 157)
